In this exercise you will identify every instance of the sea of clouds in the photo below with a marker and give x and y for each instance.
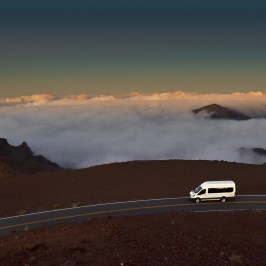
(78, 131)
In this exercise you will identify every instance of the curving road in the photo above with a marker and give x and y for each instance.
(139, 207)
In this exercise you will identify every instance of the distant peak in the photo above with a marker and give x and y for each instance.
(22, 157)
(24, 144)
(3, 141)
(215, 105)
(25, 148)
(216, 111)
(213, 108)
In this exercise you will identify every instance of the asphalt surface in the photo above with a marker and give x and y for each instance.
(140, 207)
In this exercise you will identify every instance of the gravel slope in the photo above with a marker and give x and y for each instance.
(178, 238)
(122, 181)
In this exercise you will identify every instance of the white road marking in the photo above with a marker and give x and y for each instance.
(231, 210)
(93, 205)
(250, 195)
(110, 203)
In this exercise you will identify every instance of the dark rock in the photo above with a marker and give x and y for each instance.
(257, 151)
(215, 111)
(40, 246)
(78, 249)
(21, 160)
(236, 259)
(22, 151)
(25, 148)
(3, 142)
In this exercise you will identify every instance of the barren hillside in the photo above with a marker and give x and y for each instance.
(122, 181)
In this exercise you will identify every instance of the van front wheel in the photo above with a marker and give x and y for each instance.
(223, 199)
(197, 200)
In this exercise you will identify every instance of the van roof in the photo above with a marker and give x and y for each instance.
(224, 182)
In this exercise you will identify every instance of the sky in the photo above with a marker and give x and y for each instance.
(121, 46)
(100, 81)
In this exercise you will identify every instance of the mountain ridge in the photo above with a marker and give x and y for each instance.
(216, 111)
(16, 160)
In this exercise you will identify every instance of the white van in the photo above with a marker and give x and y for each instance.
(214, 190)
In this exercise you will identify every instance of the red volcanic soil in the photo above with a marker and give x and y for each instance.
(178, 238)
(122, 181)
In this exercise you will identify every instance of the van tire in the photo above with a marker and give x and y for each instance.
(197, 200)
(223, 199)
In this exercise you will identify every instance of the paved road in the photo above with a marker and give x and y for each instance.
(140, 207)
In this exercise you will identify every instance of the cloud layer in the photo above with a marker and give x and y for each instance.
(81, 130)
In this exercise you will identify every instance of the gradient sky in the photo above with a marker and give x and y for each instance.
(117, 47)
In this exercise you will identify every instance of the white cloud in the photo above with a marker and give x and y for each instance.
(36, 99)
(82, 130)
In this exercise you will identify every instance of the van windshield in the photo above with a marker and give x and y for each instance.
(198, 189)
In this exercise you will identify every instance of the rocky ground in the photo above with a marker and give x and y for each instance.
(177, 238)
(122, 181)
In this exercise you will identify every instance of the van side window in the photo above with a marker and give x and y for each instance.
(211, 190)
(203, 191)
(229, 189)
(220, 190)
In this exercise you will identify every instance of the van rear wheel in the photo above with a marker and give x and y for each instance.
(223, 199)
(197, 200)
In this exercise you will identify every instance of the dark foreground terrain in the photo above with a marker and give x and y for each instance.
(178, 238)
(121, 182)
